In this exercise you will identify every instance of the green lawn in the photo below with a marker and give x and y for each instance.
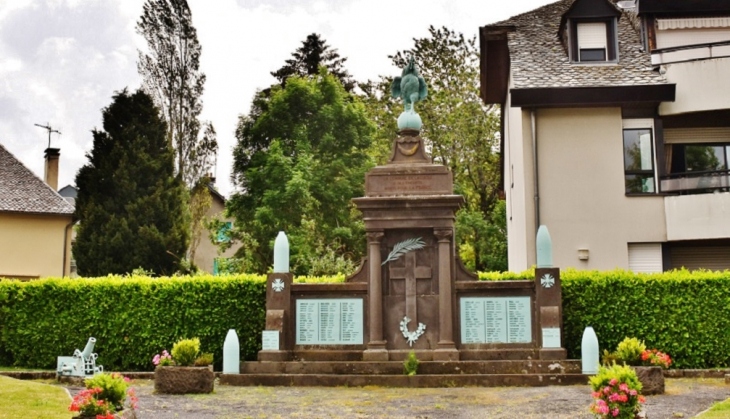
(28, 399)
(720, 410)
(22, 369)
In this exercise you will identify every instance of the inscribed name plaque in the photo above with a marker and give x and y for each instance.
(270, 340)
(551, 337)
(330, 322)
(496, 320)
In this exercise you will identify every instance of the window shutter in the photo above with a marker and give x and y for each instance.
(592, 35)
(696, 135)
(645, 257)
(714, 258)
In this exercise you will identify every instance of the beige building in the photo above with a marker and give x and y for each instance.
(35, 221)
(616, 131)
(207, 257)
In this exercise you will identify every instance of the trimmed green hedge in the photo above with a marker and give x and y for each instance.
(132, 318)
(684, 314)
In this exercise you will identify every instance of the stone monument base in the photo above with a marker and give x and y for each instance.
(494, 373)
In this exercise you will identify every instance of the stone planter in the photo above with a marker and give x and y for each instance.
(183, 380)
(652, 380)
(124, 414)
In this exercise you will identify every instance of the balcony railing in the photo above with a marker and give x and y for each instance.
(697, 182)
(690, 53)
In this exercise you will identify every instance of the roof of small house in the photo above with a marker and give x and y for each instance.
(22, 191)
(538, 58)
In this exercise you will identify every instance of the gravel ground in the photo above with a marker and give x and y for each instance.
(684, 398)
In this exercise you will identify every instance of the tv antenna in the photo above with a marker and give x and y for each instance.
(50, 130)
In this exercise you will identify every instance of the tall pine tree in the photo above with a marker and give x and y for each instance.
(130, 203)
(307, 59)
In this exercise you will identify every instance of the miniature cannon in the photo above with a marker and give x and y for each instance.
(81, 364)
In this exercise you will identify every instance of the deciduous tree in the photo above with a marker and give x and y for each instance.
(170, 69)
(130, 203)
(302, 181)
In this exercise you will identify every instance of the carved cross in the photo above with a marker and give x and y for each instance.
(411, 273)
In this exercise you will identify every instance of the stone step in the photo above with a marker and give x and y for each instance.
(424, 367)
(514, 354)
(387, 380)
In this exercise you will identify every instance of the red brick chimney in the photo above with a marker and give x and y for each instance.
(51, 170)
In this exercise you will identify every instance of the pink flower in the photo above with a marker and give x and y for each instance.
(623, 387)
(615, 412)
(633, 392)
(623, 398)
(156, 359)
(613, 382)
(596, 394)
(613, 397)
(126, 379)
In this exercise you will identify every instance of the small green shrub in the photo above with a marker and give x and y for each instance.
(616, 393)
(608, 358)
(185, 351)
(410, 366)
(629, 351)
(113, 387)
(204, 359)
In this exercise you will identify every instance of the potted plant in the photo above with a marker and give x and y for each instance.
(616, 393)
(107, 396)
(177, 373)
(648, 364)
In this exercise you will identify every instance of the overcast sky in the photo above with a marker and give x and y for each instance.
(62, 60)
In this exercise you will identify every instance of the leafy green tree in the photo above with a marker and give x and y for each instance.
(171, 74)
(302, 182)
(305, 63)
(130, 203)
(460, 131)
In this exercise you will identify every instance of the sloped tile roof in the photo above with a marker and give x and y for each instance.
(22, 191)
(539, 59)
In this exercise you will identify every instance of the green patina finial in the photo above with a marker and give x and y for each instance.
(411, 87)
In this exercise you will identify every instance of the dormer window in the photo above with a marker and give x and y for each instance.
(588, 31)
(593, 42)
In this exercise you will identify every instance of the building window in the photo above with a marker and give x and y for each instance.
(223, 233)
(639, 161)
(594, 42)
(698, 168)
(705, 158)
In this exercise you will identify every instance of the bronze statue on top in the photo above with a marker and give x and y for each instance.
(411, 87)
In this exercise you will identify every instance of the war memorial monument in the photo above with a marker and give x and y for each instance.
(412, 293)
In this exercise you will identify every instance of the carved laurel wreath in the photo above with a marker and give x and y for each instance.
(412, 337)
(404, 247)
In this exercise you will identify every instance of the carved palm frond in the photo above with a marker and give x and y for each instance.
(404, 247)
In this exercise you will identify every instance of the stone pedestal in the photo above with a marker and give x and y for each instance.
(278, 315)
(549, 311)
(407, 199)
